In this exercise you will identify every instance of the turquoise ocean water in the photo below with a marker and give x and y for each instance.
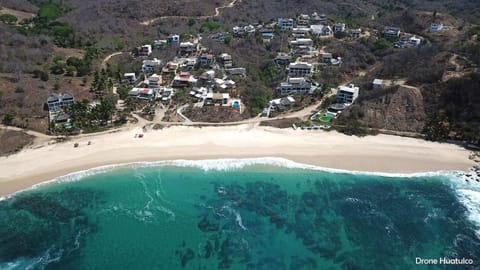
(240, 214)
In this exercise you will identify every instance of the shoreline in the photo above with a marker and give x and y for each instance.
(374, 154)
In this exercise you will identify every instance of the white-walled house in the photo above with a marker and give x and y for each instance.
(285, 23)
(347, 93)
(155, 81)
(296, 85)
(300, 68)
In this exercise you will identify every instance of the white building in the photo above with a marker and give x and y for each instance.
(226, 60)
(301, 42)
(149, 65)
(300, 32)
(154, 81)
(249, 29)
(377, 84)
(237, 31)
(300, 68)
(130, 77)
(219, 99)
(281, 104)
(183, 79)
(159, 43)
(391, 32)
(435, 27)
(415, 40)
(347, 93)
(321, 30)
(142, 93)
(339, 27)
(356, 33)
(285, 24)
(188, 47)
(296, 86)
(173, 39)
(145, 50)
(303, 19)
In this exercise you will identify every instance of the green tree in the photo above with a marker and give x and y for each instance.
(118, 44)
(70, 70)
(209, 26)
(74, 61)
(57, 68)
(107, 107)
(64, 35)
(436, 127)
(381, 45)
(49, 12)
(9, 117)
(122, 91)
(191, 22)
(8, 18)
(101, 84)
(40, 74)
(228, 38)
(56, 85)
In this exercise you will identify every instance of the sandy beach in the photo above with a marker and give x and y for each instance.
(382, 153)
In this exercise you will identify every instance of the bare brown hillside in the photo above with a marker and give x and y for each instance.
(398, 108)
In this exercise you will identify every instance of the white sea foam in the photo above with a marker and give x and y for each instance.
(237, 164)
(224, 165)
(471, 200)
(39, 262)
(238, 218)
(467, 188)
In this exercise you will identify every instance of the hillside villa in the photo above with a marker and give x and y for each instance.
(378, 84)
(206, 59)
(226, 60)
(173, 39)
(56, 103)
(296, 85)
(239, 71)
(300, 68)
(188, 48)
(149, 65)
(145, 50)
(282, 104)
(435, 27)
(321, 30)
(130, 77)
(217, 99)
(339, 27)
(391, 32)
(347, 93)
(355, 33)
(155, 81)
(285, 23)
(171, 68)
(183, 79)
(283, 59)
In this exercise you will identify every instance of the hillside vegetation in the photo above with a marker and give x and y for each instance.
(32, 65)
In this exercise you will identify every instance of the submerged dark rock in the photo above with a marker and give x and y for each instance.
(206, 226)
(208, 249)
(32, 223)
(187, 256)
(302, 263)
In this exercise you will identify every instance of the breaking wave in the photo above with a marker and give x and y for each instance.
(468, 191)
